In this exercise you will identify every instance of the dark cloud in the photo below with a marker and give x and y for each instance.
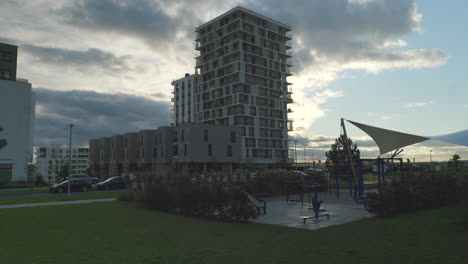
(344, 31)
(94, 115)
(160, 95)
(143, 19)
(336, 31)
(92, 57)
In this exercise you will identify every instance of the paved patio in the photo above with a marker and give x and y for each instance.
(342, 210)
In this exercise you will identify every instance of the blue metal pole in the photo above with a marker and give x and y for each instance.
(350, 183)
(337, 184)
(316, 210)
(378, 176)
(383, 173)
(360, 181)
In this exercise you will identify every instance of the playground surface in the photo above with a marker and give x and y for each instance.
(341, 210)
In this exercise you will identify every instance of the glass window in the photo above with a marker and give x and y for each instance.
(229, 150)
(210, 150)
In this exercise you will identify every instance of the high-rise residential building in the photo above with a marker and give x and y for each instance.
(241, 80)
(52, 162)
(183, 99)
(17, 107)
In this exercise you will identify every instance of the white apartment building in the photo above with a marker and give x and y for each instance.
(51, 161)
(17, 107)
(241, 80)
(184, 99)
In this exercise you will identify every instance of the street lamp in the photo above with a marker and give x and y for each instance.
(305, 156)
(69, 160)
(295, 151)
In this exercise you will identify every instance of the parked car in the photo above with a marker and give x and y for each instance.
(117, 182)
(92, 180)
(75, 186)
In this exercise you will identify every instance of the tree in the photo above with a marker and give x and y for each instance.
(453, 162)
(3, 142)
(337, 158)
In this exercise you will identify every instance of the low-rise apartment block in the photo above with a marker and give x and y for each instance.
(185, 148)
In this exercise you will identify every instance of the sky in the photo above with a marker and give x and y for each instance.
(106, 66)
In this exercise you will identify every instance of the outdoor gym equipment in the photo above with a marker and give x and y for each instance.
(315, 204)
(300, 184)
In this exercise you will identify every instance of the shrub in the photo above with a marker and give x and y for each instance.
(181, 195)
(414, 192)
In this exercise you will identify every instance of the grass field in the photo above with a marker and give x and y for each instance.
(24, 191)
(60, 197)
(120, 232)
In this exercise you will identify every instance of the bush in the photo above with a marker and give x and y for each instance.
(179, 195)
(414, 192)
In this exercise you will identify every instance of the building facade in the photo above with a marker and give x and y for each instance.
(183, 100)
(52, 162)
(17, 108)
(241, 80)
(186, 148)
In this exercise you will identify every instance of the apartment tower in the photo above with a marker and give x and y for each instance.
(241, 80)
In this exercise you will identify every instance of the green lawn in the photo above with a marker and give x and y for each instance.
(120, 232)
(61, 197)
(23, 191)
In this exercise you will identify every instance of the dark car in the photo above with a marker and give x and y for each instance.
(75, 186)
(84, 177)
(117, 182)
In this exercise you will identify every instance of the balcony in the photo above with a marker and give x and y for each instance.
(290, 125)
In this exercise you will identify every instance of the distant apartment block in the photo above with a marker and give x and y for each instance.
(17, 108)
(241, 80)
(51, 162)
(187, 147)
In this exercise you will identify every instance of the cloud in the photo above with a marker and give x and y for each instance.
(93, 114)
(417, 104)
(142, 19)
(89, 59)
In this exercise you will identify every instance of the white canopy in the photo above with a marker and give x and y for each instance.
(388, 140)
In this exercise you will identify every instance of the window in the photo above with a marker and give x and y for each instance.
(155, 152)
(182, 135)
(233, 137)
(175, 150)
(206, 135)
(185, 149)
(210, 150)
(229, 150)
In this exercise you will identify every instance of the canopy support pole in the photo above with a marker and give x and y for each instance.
(348, 151)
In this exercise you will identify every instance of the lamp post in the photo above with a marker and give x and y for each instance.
(69, 161)
(305, 156)
(295, 151)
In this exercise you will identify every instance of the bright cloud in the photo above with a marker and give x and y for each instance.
(417, 104)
